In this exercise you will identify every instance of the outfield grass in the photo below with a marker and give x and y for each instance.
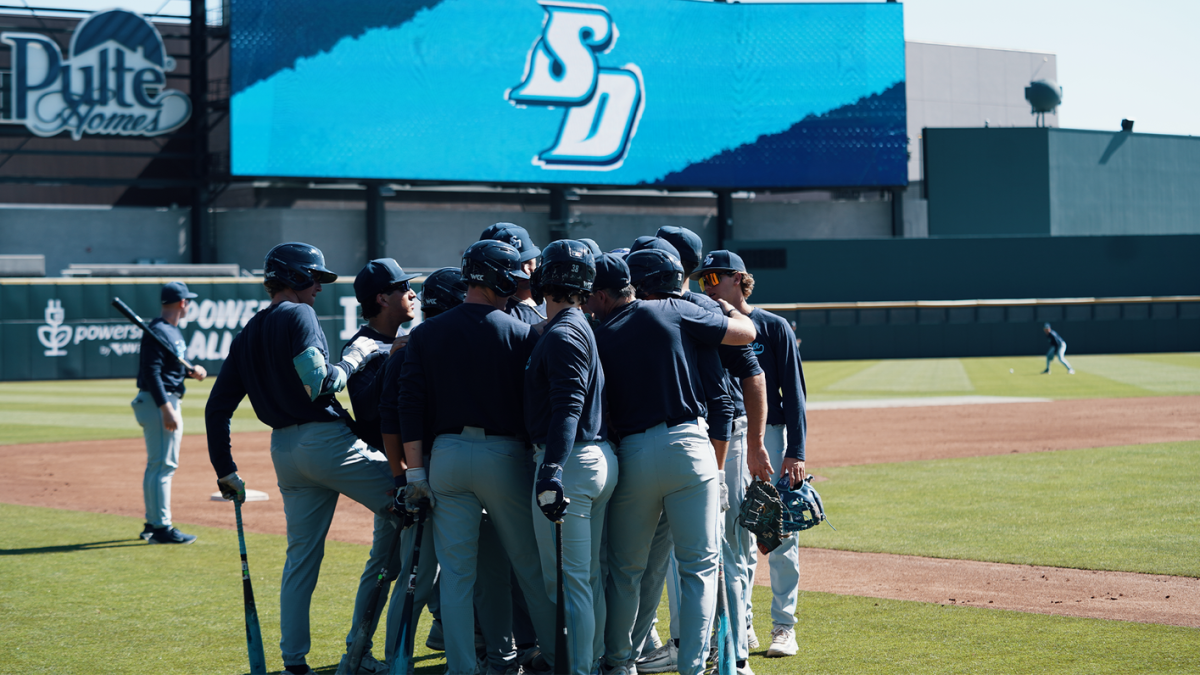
(1116, 376)
(67, 410)
(70, 410)
(1128, 508)
(82, 595)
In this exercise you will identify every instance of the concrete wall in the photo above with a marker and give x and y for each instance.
(1123, 183)
(95, 235)
(811, 220)
(1062, 182)
(984, 182)
(957, 86)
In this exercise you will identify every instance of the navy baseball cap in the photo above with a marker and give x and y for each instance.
(515, 236)
(643, 243)
(592, 246)
(174, 292)
(611, 273)
(377, 276)
(719, 261)
(685, 241)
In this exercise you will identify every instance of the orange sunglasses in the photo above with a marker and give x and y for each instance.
(710, 279)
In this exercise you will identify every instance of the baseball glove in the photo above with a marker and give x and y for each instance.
(802, 508)
(762, 514)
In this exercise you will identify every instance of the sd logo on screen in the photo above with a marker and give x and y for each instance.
(603, 105)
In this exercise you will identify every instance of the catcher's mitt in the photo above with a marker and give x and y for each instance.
(762, 514)
(802, 508)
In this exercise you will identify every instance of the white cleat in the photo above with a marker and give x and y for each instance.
(783, 641)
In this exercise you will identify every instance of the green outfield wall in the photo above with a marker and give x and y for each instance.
(992, 327)
(970, 268)
(67, 328)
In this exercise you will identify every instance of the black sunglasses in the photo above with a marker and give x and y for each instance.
(401, 287)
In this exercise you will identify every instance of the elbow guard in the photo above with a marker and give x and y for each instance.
(310, 366)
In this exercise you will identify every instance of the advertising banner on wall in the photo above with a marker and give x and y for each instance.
(657, 93)
(51, 331)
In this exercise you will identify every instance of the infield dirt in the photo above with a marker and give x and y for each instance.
(105, 477)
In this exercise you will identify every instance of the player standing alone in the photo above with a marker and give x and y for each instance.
(280, 360)
(723, 277)
(160, 390)
(1058, 347)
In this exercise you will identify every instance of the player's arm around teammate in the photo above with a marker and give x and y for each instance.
(723, 276)
(564, 396)
(666, 461)
(280, 361)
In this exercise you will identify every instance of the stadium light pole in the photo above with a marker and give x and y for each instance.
(201, 230)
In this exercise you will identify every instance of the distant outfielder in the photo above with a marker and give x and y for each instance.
(1058, 348)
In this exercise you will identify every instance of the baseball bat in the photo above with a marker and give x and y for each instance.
(137, 321)
(359, 646)
(561, 659)
(404, 642)
(254, 643)
(725, 655)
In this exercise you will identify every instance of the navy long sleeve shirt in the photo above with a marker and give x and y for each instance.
(366, 387)
(389, 397)
(564, 387)
(739, 361)
(779, 357)
(1054, 338)
(260, 366)
(468, 365)
(525, 312)
(159, 372)
(648, 350)
(718, 394)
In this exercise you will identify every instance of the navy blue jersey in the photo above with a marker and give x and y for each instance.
(159, 372)
(389, 397)
(260, 366)
(1054, 338)
(365, 388)
(775, 347)
(718, 399)
(468, 365)
(648, 349)
(739, 361)
(525, 312)
(564, 387)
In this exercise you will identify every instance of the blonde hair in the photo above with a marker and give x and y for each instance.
(747, 284)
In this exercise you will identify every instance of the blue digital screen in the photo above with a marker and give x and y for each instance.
(656, 93)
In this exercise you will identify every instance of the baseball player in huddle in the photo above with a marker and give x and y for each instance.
(521, 303)
(462, 389)
(442, 290)
(747, 384)
(648, 348)
(281, 361)
(564, 406)
(724, 278)
(386, 302)
(156, 407)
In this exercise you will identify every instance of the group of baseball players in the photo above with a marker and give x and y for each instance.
(559, 385)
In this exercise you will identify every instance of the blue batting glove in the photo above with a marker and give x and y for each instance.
(549, 490)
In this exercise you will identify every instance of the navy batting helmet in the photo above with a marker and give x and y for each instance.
(493, 264)
(443, 290)
(297, 266)
(568, 264)
(688, 243)
(655, 271)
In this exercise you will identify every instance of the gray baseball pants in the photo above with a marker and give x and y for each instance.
(673, 470)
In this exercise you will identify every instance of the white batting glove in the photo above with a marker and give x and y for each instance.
(724, 491)
(357, 353)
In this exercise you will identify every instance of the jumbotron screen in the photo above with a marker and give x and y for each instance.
(655, 93)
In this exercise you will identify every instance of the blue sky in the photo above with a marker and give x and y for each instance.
(1115, 58)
